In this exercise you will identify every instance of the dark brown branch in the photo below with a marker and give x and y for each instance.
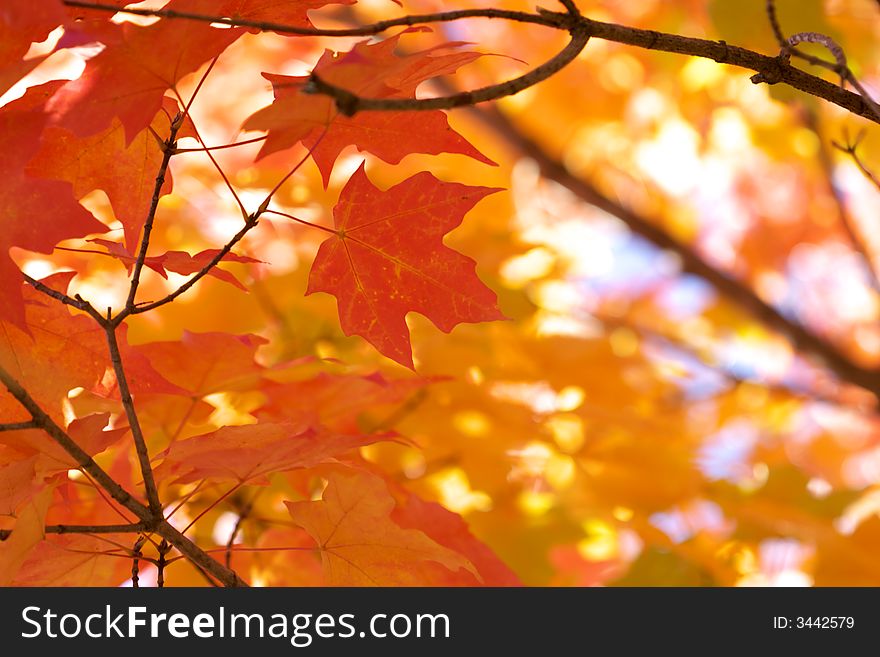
(163, 550)
(151, 523)
(85, 529)
(75, 302)
(774, 24)
(140, 444)
(18, 426)
(198, 556)
(571, 7)
(691, 262)
(135, 561)
(168, 151)
(365, 30)
(771, 70)
(348, 103)
(83, 460)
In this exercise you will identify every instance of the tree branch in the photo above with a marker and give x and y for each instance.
(168, 151)
(140, 443)
(770, 70)
(348, 103)
(151, 523)
(86, 462)
(199, 557)
(18, 426)
(85, 529)
(75, 302)
(365, 30)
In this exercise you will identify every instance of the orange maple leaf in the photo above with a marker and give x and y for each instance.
(34, 214)
(360, 544)
(251, 452)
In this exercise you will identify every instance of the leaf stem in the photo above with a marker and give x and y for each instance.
(133, 422)
(301, 221)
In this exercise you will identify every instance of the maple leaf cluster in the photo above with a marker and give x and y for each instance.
(114, 128)
(243, 339)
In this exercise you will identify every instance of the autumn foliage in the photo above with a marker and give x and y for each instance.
(231, 229)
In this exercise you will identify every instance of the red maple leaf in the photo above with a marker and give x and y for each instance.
(130, 76)
(126, 172)
(34, 214)
(250, 452)
(21, 23)
(371, 70)
(387, 259)
(179, 262)
(284, 12)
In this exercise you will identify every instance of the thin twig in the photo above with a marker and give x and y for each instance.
(366, 30)
(189, 549)
(134, 424)
(208, 152)
(75, 302)
(349, 103)
(211, 506)
(18, 426)
(168, 151)
(788, 49)
(850, 148)
(83, 460)
(300, 221)
(163, 550)
(571, 7)
(127, 528)
(774, 24)
(221, 147)
(770, 70)
(199, 556)
(135, 562)
(243, 514)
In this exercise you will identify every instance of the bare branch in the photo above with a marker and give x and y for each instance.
(128, 528)
(366, 30)
(571, 7)
(189, 549)
(75, 302)
(774, 24)
(140, 443)
(243, 513)
(86, 462)
(349, 103)
(163, 550)
(168, 151)
(221, 147)
(770, 70)
(198, 556)
(135, 562)
(18, 426)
